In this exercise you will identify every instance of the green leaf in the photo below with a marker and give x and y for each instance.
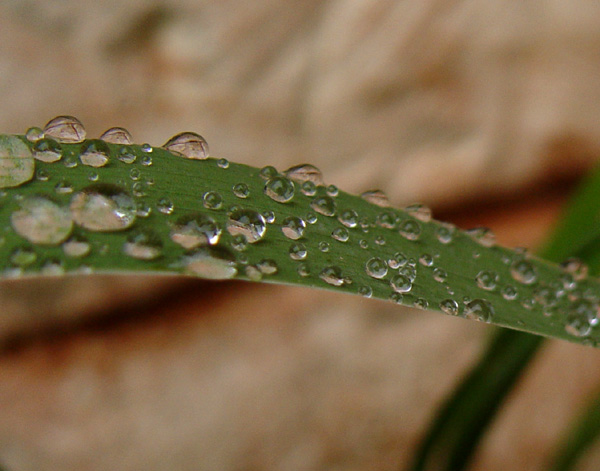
(87, 206)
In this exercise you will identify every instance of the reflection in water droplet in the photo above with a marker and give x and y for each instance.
(487, 280)
(212, 263)
(305, 173)
(34, 134)
(376, 197)
(576, 268)
(103, 208)
(117, 136)
(16, 162)
(426, 260)
(23, 256)
(440, 275)
(268, 172)
(143, 245)
(308, 188)
(340, 234)
(194, 230)
(47, 150)
(189, 145)
(445, 233)
(365, 291)
(401, 283)
(397, 261)
(324, 246)
(293, 227)
(324, 205)
(386, 219)
(165, 206)
(523, 272)
(279, 189)
(332, 190)
(269, 216)
(126, 156)
(267, 267)
(332, 275)
(94, 153)
(212, 200)
(421, 303)
(348, 218)
(479, 309)
(42, 221)
(298, 251)
(449, 306)
(509, 293)
(482, 235)
(247, 222)
(376, 268)
(303, 270)
(222, 163)
(410, 229)
(66, 129)
(76, 247)
(419, 211)
(241, 190)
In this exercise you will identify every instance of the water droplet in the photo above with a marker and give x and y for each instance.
(482, 235)
(449, 306)
(581, 317)
(241, 190)
(324, 205)
(479, 309)
(126, 156)
(193, 230)
(117, 136)
(143, 245)
(409, 271)
(76, 247)
(70, 162)
(419, 211)
(293, 227)
(47, 150)
(387, 219)
(212, 200)
(311, 218)
(305, 173)
(363, 244)
(303, 270)
(332, 275)
(165, 206)
(348, 218)
(308, 188)
(23, 256)
(34, 134)
(401, 283)
(298, 251)
(93, 176)
(103, 208)
(410, 229)
(223, 163)
(365, 291)
(279, 189)
(376, 268)
(576, 268)
(547, 296)
(253, 273)
(42, 221)
(269, 216)
(246, 222)
(214, 263)
(397, 261)
(94, 153)
(268, 172)
(445, 233)
(426, 260)
(340, 234)
(523, 272)
(239, 243)
(146, 148)
(380, 240)
(440, 275)
(135, 174)
(268, 267)
(42, 175)
(66, 129)
(332, 190)
(146, 160)
(376, 197)
(487, 280)
(421, 303)
(52, 267)
(577, 326)
(324, 246)
(16, 162)
(189, 145)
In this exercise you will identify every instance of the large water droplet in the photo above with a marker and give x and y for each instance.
(449, 306)
(143, 245)
(324, 205)
(419, 211)
(293, 227)
(279, 189)
(401, 283)
(103, 208)
(348, 218)
(47, 150)
(340, 234)
(410, 229)
(523, 272)
(76, 247)
(117, 136)
(66, 129)
(305, 173)
(194, 230)
(42, 221)
(487, 280)
(213, 263)
(247, 222)
(94, 153)
(332, 275)
(212, 200)
(376, 267)
(376, 197)
(34, 134)
(16, 162)
(241, 190)
(298, 251)
(189, 145)
(479, 309)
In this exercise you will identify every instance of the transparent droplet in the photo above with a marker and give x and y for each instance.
(523, 272)
(396, 298)
(348, 218)
(303, 270)
(269, 216)
(376, 267)
(268, 267)
(340, 234)
(482, 235)
(363, 244)
(387, 219)
(34, 134)
(135, 174)
(76, 247)
(577, 327)
(103, 208)
(410, 229)
(293, 227)
(409, 271)
(253, 273)
(165, 206)
(332, 190)
(401, 283)
(23, 256)
(93, 176)
(332, 275)
(53, 267)
(440, 275)
(397, 261)
(279, 189)
(380, 240)
(426, 260)
(324, 246)
(298, 251)
(421, 303)
(193, 230)
(509, 293)
(41, 221)
(311, 218)
(189, 145)
(143, 209)
(126, 156)
(63, 187)
(324, 205)
(66, 129)
(117, 136)
(222, 163)
(95, 153)
(376, 197)
(365, 291)
(445, 233)
(42, 175)
(146, 160)
(16, 162)
(419, 211)
(241, 190)
(582, 315)
(547, 296)
(479, 309)
(576, 268)
(239, 243)
(268, 172)
(247, 222)
(449, 306)
(70, 161)
(305, 173)
(47, 150)
(487, 280)
(214, 263)
(212, 200)
(308, 188)
(146, 148)
(143, 245)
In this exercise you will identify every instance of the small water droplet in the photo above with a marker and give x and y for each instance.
(16, 162)
(363, 244)
(222, 163)
(308, 188)
(581, 317)
(380, 240)
(279, 189)
(386, 219)
(146, 148)
(305, 173)
(376, 268)
(303, 270)
(239, 242)
(365, 291)
(41, 221)
(340, 234)
(332, 275)
(482, 235)
(212, 200)
(47, 150)
(34, 134)
(311, 218)
(146, 160)
(298, 251)
(523, 272)
(117, 135)
(126, 156)
(440, 275)
(396, 298)
(293, 227)
(135, 174)
(253, 273)
(426, 260)
(268, 267)
(165, 206)
(376, 197)
(269, 216)
(103, 208)
(241, 190)
(487, 280)
(76, 247)
(193, 230)
(421, 303)
(401, 283)
(409, 271)
(324, 246)
(246, 222)
(348, 218)
(332, 190)
(397, 261)
(93, 176)
(479, 309)
(213, 263)
(419, 211)
(576, 268)
(95, 153)
(66, 129)
(449, 306)
(52, 267)
(268, 172)
(410, 229)
(42, 175)
(143, 245)
(445, 233)
(324, 205)
(23, 256)
(189, 145)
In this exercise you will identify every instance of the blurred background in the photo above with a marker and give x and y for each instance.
(486, 111)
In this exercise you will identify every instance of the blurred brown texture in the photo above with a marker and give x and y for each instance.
(486, 111)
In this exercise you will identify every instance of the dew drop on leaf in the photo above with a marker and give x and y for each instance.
(143, 245)
(305, 173)
(241, 190)
(576, 268)
(267, 267)
(410, 229)
(445, 233)
(268, 172)
(298, 251)
(279, 189)
(212, 200)
(376, 267)
(449, 306)
(212, 263)
(482, 235)
(103, 208)
(94, 153)
(16, 162)
(419, 211)
(76, 247)
(41, 221)
(332, 275)
(117, 135)
(340, 234)
(248, 223)
(23, 256)
(34, 134)
(401, 283)
(487, 280)
(348, 218)
(479, 309)
(523, 272)
(65, 129)
(47, 150)
(324, 205)
(293, 227)
(189, 145)
(193, 230)
(126, 156)
(376, 197)
(165, 206)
